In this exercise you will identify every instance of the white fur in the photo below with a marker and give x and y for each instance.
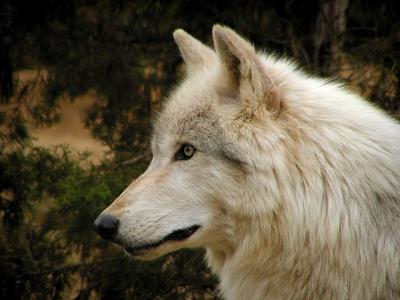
(295, 181)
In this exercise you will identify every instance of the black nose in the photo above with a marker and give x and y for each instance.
(106, 226)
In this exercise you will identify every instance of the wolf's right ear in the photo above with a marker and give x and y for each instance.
(195, 54)
(244, 74)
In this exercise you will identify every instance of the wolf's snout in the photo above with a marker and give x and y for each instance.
(106, 226)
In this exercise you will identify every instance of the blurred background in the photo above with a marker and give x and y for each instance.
(79, 84)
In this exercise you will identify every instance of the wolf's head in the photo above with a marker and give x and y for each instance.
(207, 143)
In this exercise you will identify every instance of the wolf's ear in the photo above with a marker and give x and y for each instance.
(195, 54)
(244, 73)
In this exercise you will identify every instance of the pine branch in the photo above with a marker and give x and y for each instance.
(65, 268)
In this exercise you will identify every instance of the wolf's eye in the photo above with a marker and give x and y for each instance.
(185, 152)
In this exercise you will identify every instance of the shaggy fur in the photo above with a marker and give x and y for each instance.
(295, 181)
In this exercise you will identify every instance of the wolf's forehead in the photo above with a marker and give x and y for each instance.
(201, 125)
(191, 104)
(178, 120)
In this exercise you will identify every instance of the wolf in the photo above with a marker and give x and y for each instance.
(290, 182)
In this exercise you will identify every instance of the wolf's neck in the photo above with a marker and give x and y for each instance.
(239, 264)
(269, 258)
(256, 268)
(261, 265)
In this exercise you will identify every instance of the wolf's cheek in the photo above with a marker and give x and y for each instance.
(160, 211)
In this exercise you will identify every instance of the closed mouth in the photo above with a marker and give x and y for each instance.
(176, 235)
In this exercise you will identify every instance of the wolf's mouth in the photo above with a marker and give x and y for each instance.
(176, 235)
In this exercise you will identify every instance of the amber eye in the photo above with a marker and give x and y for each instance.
(185, 152)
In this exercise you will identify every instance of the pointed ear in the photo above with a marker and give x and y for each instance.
(243, 70)
(195, 54)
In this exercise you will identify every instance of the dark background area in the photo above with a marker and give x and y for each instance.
(123, 53)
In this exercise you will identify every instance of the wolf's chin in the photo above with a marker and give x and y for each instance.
(146, 251)
(143, 255)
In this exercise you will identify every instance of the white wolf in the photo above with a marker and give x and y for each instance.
(291, 183)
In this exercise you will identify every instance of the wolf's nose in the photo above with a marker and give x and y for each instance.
(106, 226)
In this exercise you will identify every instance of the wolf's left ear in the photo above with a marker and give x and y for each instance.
(195, 54)
(243, 70)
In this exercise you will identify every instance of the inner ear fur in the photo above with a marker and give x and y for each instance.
(243, 70)
(195, 54)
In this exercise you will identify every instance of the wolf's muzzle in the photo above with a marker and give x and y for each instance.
(106, 226)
